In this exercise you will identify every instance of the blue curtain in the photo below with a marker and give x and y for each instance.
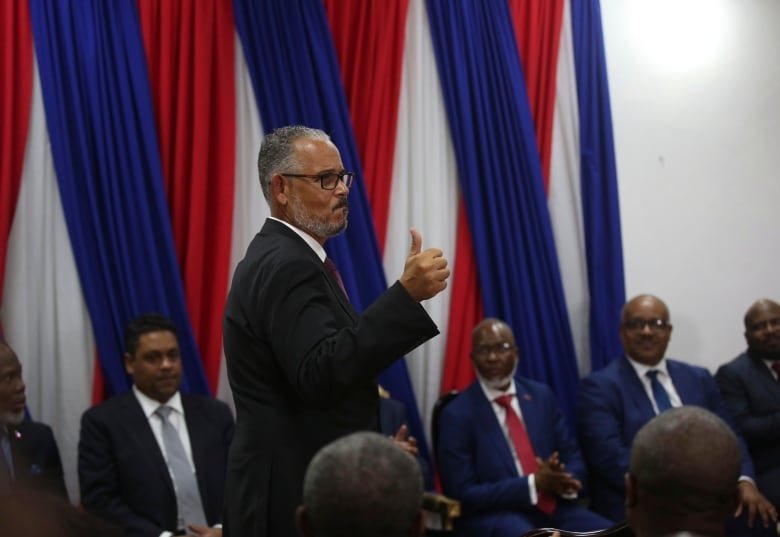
(501, 179)
(295, 74)
(101, 124)
(600, 203)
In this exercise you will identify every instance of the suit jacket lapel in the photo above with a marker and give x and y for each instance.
(761, 377)
(491, 430)
(530, 414)
(21, 460)
(141, 432)
(636, 390)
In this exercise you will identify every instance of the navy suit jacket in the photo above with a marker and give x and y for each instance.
(37, 464)
(753, 396)
(613, 406)
(475, 461)
(122, 472)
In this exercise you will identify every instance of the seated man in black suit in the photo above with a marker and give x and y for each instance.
(29, 458)
(680, 482)
(153, 460)
(362, 484)
(750, 385)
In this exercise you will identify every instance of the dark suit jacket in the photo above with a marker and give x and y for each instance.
(122, 472)
(475, 463)
(37, 464)
(303, 367)
(753, 396)
(613, 406)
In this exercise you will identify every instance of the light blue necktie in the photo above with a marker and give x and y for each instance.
(187, 492)
(659, 393)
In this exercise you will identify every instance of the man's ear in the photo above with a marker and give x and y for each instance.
(128, 363)
(278, 190)
(302, 522)
(631, 492)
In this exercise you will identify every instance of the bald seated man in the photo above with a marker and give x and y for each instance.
(505, 451)
(616, 401)
(362, 484)
(671, 488)
(750, 385)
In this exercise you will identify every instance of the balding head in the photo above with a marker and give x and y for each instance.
(12, 389)
(645, 329)
(362, 484)
(494, 353)
(671, 485)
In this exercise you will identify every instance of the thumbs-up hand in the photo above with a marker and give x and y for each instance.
(425, 272)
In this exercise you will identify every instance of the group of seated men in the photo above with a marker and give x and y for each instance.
(152, 461)
(504, 426)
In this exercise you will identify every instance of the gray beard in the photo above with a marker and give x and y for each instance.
(496, 384)
(301, 219)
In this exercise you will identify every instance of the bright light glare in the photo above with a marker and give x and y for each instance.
(680, 35)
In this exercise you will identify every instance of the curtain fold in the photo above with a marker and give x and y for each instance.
(295, 74)
(100, 120)
(16, 75)
(600, 202)
(503, 189)
(189, 51)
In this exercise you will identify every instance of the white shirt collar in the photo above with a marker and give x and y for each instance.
(149, 405)
(642, 369)
(311, 241)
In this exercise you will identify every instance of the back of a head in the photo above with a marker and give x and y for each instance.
(685, 463)
(362, 485)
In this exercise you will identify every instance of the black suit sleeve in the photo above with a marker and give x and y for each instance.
(99, 479)
(758, 429)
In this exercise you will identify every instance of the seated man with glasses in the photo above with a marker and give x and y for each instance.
(615, 402)
(505, 451)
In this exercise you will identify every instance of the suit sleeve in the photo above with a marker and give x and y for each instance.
(457, 458)
(52, 473)
(600, 429)
(716, 405)
(99, 481)
(565, 443)
(757, 429)
(319, 350)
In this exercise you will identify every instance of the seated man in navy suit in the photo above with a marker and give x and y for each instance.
(750, 385)
(505, 451)
(153, 460)
(615, 402)
(29, 458)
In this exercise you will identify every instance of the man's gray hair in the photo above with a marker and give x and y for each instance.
(689, 457)
(277, 153)
(363, 484)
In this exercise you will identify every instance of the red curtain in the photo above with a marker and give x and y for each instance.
(189, 50)
(538, 33)
(466, 311)
(369, 39)
(16, 72)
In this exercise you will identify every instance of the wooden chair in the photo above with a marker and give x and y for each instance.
(618, 530)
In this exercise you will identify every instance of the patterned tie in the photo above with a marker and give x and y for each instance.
(187, 492)
(524, 450)
(331, 266)
(776, 367)
(659, 393)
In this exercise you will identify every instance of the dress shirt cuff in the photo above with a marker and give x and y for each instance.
(166, 534)
(532, 489)
(746, 478)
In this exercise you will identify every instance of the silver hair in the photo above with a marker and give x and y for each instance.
(277, 152)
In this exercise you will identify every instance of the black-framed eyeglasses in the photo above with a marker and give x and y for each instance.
(655, 325)
(498, 348)
(328, 180)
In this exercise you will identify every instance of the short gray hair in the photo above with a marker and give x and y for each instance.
(276, 151)
(363, 484)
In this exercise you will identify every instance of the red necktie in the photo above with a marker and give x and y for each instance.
(776, 367)
(524, 450)
(331, 266)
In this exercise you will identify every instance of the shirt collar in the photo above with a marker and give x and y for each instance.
(311, 241)
(642, 369)
(149, 405)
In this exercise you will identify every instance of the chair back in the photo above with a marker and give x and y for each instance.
(441, 402)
